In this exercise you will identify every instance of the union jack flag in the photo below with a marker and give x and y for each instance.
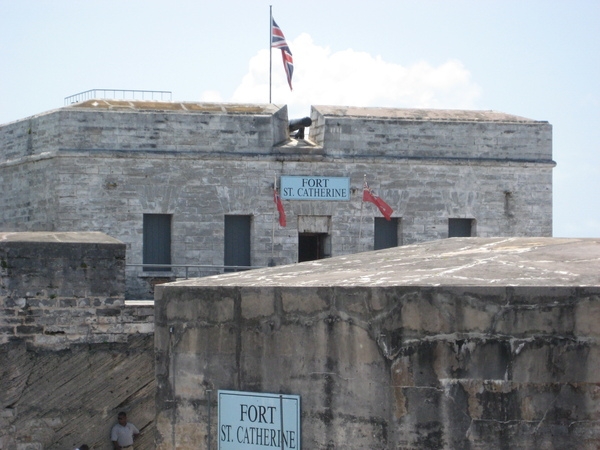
(278, 41)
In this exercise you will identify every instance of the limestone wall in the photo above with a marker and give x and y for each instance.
(423, 134)
(72, 354)
(506, 200)
(36, 135)
(170, 131)
(103, 191)
(101, 168)
(29, 201)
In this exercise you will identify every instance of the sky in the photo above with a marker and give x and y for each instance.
(538, 59)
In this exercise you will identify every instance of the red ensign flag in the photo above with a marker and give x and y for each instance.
(279, 204)
(369, 196)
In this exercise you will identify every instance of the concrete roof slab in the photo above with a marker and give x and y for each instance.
(496, 262)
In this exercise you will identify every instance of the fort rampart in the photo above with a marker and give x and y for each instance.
(459, 343)
(106, 165)
(463, 343)
(72, 354)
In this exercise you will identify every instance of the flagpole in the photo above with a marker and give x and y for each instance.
(274, 214)
(270, 45)
(361, 214)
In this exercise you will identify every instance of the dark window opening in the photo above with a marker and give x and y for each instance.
(237, 241)
(460, 227)
(385, 233)
(157, 241)
(312, 246)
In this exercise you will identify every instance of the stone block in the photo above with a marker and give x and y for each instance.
(28, 329)
(257, 303)
(303, 301)
(134, 328)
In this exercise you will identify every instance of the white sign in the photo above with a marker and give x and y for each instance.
(314, 188)
(254, 420)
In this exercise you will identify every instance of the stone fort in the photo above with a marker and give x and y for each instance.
(100, 194)
(190, 185)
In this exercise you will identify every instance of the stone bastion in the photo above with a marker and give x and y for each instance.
(462, 343)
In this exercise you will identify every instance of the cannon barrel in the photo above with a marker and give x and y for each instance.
(296, 124)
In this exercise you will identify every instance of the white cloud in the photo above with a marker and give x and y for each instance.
(349, 77)
(211, 96)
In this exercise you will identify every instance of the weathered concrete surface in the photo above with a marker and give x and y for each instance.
(71, 353)
(461, 343)
(499, 262)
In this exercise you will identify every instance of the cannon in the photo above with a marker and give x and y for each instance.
(299, 125)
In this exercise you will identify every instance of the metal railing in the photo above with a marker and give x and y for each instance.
(118, 94)
(200, 270)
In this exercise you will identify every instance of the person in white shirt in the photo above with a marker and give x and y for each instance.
(123, 433)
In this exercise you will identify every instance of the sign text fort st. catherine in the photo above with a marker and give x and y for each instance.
(252, 420)
(314, 188)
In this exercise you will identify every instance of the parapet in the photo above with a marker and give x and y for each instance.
(430, 134)
(233, 130)
(147, 126)
(59, 288)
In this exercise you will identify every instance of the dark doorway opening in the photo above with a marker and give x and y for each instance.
(312, 246)
(460, 227)
(237, 241)
(386, 233)
(157, 242)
